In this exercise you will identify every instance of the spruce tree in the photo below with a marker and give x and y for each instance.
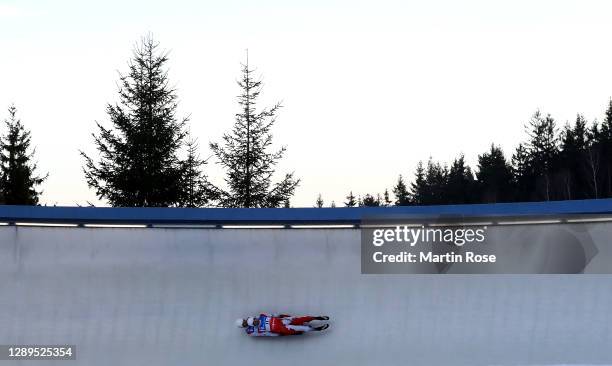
(494, 177)
(593, 161)
(18, 178)
(246, 156)
(387, 200)
(319, 203)
(418, 188)
(572, 164)
(606, 125)
(350, 200)
(370, 201)
(543, 150)
(196, 190)
(522, 173)
(436, 178)
(604, 140)
(459, 186)
(139, 163)
(402, 196)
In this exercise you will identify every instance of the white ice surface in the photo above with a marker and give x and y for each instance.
(170, 297)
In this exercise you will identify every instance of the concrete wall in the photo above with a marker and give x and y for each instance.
(170, 296)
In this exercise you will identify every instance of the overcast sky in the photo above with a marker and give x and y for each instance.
(369, 88)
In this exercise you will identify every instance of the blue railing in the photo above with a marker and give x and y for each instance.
(287, 216)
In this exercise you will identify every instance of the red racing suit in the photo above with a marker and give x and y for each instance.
(280, 325)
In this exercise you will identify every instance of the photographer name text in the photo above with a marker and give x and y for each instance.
(413, 236)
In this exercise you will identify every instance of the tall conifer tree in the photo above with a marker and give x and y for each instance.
(245, 153)
(402, 196)
(494, 177)
(139, 163)
(350, 200)
(18, 178)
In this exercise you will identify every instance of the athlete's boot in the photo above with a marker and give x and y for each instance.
(322, 327)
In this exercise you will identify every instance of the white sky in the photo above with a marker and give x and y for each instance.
(369, 88)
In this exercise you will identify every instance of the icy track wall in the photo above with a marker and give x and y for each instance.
(155, 296)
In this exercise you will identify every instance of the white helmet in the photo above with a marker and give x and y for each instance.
(250, 321)
(239, 323)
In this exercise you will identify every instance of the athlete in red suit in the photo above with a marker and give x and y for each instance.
(279, 325)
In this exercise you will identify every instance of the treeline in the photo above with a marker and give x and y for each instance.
(148, 158)
(569, 163)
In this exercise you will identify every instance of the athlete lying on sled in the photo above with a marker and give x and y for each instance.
(279, 325)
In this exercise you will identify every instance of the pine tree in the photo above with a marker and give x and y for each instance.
(494, 177)
(139, 163)
(245, 153)
(402, 196)
(196, 190)
(18, 178)
(350, 200)
(319, 203)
